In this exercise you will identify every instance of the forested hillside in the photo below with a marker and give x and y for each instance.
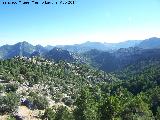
(40, 84)
(118, 60)
(72, 91)
(43, 84)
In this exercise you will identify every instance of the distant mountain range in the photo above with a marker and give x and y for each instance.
(20, 49)
(74, 52)
(150, 43)
(28, 50)
(118, 60)
(87, 46)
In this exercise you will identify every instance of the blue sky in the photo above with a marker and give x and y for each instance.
(86, 20)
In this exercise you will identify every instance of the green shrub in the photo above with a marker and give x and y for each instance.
(1, 88)
(9, 103)
(11, 118)
(62, 113)
(39, 102)
(11, 88)
(49, 114)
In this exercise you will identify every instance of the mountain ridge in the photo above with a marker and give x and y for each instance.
(68, 51)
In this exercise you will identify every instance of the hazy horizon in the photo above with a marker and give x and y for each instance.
(110, 21)
(74, 43)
